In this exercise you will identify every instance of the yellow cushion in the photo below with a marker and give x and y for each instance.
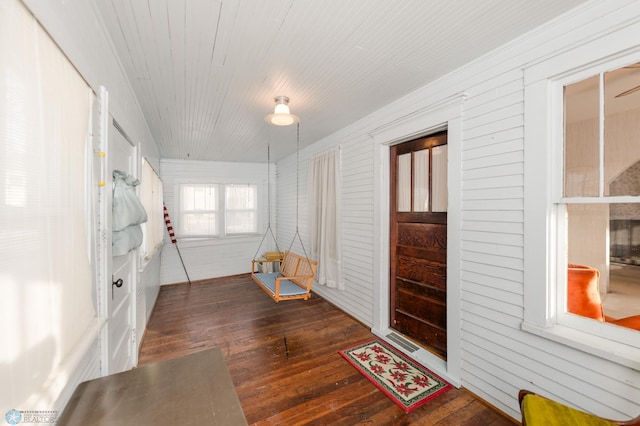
(273, 255)
(539, 411)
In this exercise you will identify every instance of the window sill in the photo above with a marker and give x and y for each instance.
(598, 346)
(145, 260)
(193, 242)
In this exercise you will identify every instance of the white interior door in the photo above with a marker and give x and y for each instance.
(121, 294)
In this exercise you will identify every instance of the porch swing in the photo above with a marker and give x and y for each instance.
(293, 274)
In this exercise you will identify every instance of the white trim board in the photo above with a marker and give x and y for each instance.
(446, 114)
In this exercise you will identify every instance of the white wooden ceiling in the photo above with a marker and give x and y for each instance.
(206, 72)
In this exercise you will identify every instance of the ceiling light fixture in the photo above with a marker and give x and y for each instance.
(281, 115)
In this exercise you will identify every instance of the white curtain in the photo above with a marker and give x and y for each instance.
(326, 228)
(46, 306)
(151, 197)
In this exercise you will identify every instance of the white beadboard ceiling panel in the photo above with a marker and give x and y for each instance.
(206, 72)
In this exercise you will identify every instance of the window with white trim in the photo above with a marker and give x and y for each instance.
(217, 210)
(151, 198)
(599, 205)
(241, 209)
(582, 148)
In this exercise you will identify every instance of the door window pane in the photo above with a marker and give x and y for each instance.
(439, 179)
(404, 183)
(421, 181)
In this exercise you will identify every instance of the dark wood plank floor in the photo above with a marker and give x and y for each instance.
(283, 358)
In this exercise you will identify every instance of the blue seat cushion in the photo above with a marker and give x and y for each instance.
(287, 288)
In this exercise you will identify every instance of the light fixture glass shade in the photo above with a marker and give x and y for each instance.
(281, 109)
(281, 115)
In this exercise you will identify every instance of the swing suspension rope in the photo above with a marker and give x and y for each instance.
(269, 230)
(297, 233)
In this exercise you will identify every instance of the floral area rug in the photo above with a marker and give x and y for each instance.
(406, 382)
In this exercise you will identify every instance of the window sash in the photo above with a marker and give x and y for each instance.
(561, 316)
(247, 209)
(229, 210)
(151, 197)
(563, 200)
(544, 282)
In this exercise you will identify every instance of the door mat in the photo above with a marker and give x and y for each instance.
(406, 382)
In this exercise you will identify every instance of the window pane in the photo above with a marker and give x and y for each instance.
(241, 222)
(587, 257)
(404, 183)
(205, 197)
(581, 150)
(198, 210)
(198, 198)
(439, 179)
(241, 213)
(241, 196)
(421, 180)
(199, 224)
(625, 233)
(151, 197)
(603, 277)
(622, 133)
(587, 231)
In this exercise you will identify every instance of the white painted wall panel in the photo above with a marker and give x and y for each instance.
(357, 216)
(146, 295)
(498, 358)
(213, 257)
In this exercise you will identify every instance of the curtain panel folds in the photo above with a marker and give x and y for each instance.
(324, 190)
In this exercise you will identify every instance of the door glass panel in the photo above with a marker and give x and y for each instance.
(404, 182)
(421, 181)
(439, 179)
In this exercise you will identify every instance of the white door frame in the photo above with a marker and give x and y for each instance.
(442, 115)
(104, 241)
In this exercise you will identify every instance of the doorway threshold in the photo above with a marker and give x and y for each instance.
(416, 353)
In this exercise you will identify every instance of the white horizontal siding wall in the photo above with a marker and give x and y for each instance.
(78, 31)
(357, 205)
(492, 243)
(210, 258)
(497, 357)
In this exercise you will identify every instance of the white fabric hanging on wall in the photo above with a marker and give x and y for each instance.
(128, 214)
(325, 217)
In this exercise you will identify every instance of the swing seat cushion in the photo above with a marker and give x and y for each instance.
(287, 288)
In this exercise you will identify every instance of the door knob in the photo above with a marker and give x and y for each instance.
(118, 283)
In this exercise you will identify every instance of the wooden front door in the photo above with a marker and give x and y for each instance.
(418, 237)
